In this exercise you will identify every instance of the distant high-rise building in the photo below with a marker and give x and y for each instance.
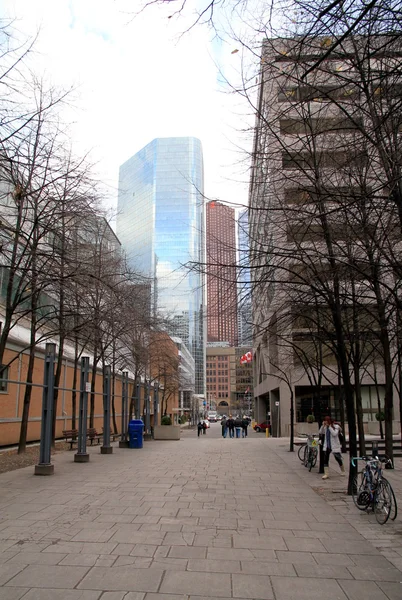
(221, 274)
(160, 223)
(244, 281)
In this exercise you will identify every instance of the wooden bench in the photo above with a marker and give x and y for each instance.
(70, 436)
(113, 436)
(94, 436)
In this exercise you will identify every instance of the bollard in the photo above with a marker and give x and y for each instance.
(267, 432)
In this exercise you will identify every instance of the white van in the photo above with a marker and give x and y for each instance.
(212, 416)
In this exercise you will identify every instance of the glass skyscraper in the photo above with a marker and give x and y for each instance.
(160, 224)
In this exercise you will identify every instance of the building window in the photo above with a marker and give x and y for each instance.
(3, 378)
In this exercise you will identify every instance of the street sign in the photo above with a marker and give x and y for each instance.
(204, 403)
(176, 409)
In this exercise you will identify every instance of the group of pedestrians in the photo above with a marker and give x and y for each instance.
(238, 425)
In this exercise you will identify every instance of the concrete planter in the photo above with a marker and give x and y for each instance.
(306, 428)
(373, 427)
(167, 432)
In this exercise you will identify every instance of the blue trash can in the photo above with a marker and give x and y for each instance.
(136, 433)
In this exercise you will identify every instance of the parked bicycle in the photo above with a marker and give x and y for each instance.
(370, 490)
(308, 452)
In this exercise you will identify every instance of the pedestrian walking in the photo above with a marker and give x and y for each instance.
(199, 428)
(330, 432)
(245, 423)
(204, 428)
(224, 427)
(231, 426)
(238, 425)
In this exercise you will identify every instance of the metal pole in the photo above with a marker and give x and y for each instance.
(138, 400)
(106, 448)
(156, 404)
(44, 467)
(147, 403)
(124, 402)
(82, 455)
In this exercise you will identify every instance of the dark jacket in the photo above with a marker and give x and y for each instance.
(230, 423)
(238, 423)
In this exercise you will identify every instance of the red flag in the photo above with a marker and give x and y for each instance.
(246, 358)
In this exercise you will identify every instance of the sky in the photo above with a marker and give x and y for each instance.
(141, 76)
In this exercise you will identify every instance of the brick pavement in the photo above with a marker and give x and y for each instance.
(195, 519)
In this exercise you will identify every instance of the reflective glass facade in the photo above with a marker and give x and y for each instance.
(160, 224)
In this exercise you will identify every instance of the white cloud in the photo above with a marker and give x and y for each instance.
(136, 80)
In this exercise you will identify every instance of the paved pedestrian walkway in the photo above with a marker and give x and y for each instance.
(196, 519)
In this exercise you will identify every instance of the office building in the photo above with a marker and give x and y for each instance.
(221, 274)
(245, 315)
(160, 223)
(317, 185)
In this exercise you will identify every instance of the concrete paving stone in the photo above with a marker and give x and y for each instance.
(214, 566)
(304, 545)
(322, 571)
(347, 546)
(122, 596)
(356, 590)
(139, 562)
(81, 560)
(266, 567)
(113, 518)
(178, 539)
(170, 528)
(374, 574)
(218, 584)
(295, 557)
(122, 578)
(188, 552)
(147, 550)
(5, 556)
(122, 549)
(267, 542)
(36, 558)
(152, 519)
(252, 586)
(341, 560)
(149, 527)
(169, 564)
(294, 525)
(57, 594)
(364, 560)
(264, 554)
(229, 554)
(46, 576)
(393, 590)
(8, 571)
(289, 588)
(167, 597)
(13, 593)
(318, 526)
(129, 535)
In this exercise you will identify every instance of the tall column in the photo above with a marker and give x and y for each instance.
(44, 467)
(106, 448)
(82, 454)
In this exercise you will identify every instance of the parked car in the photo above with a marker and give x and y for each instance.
(262, 426)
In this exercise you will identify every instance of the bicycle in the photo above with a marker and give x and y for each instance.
(371, 490)
(308, 452)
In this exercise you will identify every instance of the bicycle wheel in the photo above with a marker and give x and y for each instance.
(306, 455)
(300, 452)
(382, 502)
(360, 491)
(394, 506)
(312, 459)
